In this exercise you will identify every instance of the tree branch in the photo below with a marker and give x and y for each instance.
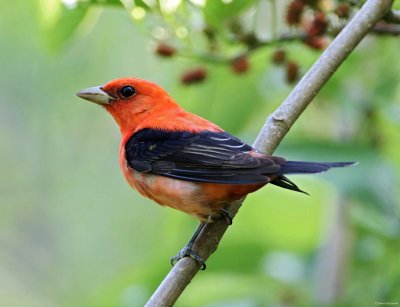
(275, 128)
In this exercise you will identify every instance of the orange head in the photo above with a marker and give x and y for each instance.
(130, 101)
(136, 104)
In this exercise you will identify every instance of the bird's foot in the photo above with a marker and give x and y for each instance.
(187, 251)
(226, 215)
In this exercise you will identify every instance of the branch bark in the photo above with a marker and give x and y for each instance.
(273, 131)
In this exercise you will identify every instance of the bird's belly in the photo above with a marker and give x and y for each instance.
(198, 199)
(178, 194)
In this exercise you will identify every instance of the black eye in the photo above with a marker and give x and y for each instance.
(127, 91)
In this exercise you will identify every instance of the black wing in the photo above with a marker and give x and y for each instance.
(203, 157)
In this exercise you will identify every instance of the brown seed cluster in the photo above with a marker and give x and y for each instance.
(279, 56)
(316, 42)
(164, 50)
(292, 72)
(313, 20)
(319, 25)
(295, 12)
(292, 68)
(193, 76)
(240, 64)
(315, 32)
(342, 10)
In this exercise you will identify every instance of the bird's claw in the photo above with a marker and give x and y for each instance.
(188, 252)
(226, 215)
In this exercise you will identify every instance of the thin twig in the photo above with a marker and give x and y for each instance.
(385, 28)
(214, 58)
(393, 16)
(275, 128)
(388, 26)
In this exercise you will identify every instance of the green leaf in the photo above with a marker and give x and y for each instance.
(61, 19)
(59, 22)
(396, 5)
(106, 2)
(218, 11)
(142, 4)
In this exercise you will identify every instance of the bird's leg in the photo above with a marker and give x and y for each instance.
(188, 251)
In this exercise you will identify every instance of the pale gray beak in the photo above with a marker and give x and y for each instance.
(95, 94)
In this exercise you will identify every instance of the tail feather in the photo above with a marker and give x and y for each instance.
(285, 183)
(300, 167)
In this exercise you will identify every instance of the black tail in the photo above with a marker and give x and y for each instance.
(285, 183)
(299, 167)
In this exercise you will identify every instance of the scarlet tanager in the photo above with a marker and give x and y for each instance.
(183, 161)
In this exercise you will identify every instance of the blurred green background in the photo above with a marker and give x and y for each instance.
(72, 233)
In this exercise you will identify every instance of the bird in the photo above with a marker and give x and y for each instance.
(184, 161)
